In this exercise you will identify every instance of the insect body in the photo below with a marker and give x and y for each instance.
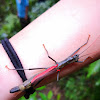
(34, 80)
(72, 58)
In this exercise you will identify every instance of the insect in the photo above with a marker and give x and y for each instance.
(36, 79)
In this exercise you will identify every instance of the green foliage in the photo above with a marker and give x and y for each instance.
(58, 96)
(41, 7)
(44, 97)
(7, 7)
(83, 85)
(41, 88)
(11, 24)
(50, 94)
(32, 97)
(10, 27)
(75, 86)
(40, 95)
(94, 68)
(94, 74)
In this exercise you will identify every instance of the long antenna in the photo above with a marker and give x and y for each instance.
(90, 45)
(86, 43)
(88, 54)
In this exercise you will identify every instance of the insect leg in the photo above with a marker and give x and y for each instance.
(58, 76)
(84, 59)
(24, 68)
(48, 54)
(51, 59)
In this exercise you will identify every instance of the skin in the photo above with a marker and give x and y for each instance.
(63, 28)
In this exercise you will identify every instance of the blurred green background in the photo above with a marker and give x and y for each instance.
(82, 85)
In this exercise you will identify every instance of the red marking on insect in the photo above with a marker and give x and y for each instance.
(58, 70)
(43, 73)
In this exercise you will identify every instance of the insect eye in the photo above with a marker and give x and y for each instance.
(76, 55)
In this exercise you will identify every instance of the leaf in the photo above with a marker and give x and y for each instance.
(50, 94)
(58, 96)
(93, 68)
(22, 98)
(33, 96)
(41, 88)
(97, 83)
(43, 96)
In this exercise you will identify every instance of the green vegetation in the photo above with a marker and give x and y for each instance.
(10, 25)
(83, 85)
